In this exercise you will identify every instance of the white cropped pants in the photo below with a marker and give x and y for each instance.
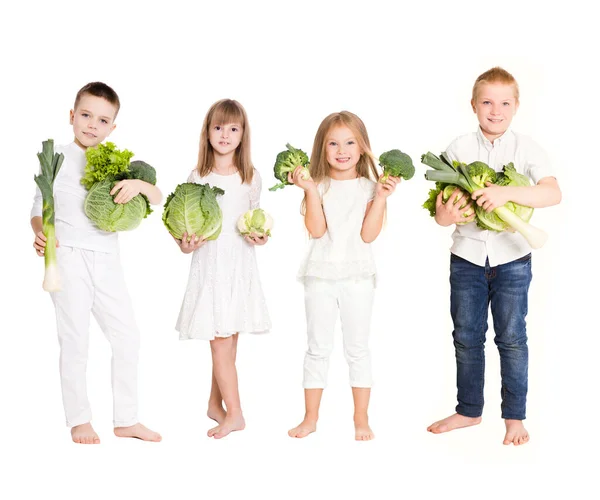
(93, 282)
(324, 299)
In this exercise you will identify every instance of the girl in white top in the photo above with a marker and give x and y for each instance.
(224, 295)
(343, 212)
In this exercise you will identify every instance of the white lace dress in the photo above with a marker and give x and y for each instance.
(223, 295)
(341, 253)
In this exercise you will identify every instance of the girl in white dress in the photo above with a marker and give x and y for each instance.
(343, 212)
(224, 296)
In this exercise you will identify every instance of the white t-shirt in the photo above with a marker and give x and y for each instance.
(471, 242)
(341, 253)
(73, 228)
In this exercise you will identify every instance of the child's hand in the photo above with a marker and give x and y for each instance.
(256, 239)
(450, 212)
(127, 189)
(386, 189)
(40, 243)
(189, 246)
(295, 177)
(491, 197)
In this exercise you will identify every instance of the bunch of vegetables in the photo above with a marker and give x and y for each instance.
(193, 209)
(255, 221)
(50, 163)
(286, 162)
(450, 175)
(397, 164)
(106, 165)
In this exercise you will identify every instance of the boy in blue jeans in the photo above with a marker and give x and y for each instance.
(489, 268)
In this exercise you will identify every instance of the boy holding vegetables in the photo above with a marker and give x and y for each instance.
(493, 268)
(92, 277)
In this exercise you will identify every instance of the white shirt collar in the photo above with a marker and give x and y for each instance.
(486, 142)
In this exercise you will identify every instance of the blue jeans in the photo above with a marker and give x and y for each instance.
(472, 290)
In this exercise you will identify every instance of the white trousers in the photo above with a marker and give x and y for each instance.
(353, 300)
(93, 282)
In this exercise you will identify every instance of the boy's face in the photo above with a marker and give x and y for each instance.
(92, 120)
(495, 106)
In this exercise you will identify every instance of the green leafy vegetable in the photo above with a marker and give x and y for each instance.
(50, 163)
(193, 209)
(286, 162)
(474, 176)
(103, 161)
(105, 166)
(397, 164)
(110, 216)
(255, 221)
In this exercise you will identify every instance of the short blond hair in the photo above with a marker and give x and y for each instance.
(496, 75)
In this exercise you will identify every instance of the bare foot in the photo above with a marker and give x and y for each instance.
(216, 413)
(362, 431)
(84, 434)
(452, 422)
(515, 432)
(138, 431)
(308, 426)
(230, 423)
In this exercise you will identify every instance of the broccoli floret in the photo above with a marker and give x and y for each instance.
(286, 162)
(480, 173)
(397, 164)
(139, 170)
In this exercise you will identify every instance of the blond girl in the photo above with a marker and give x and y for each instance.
(343, 211)
(224, 295)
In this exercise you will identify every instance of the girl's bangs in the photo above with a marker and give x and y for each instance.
(227, 112)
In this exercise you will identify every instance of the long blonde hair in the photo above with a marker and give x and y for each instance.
(221, 113)
(319, 167)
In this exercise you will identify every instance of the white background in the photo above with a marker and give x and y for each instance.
(407, 72)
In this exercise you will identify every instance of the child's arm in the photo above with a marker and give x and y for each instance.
(373, 221)
(544, 194)
(314, 218)
(129, 188)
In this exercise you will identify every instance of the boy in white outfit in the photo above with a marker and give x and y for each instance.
(92, 277)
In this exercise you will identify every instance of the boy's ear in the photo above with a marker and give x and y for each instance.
(71, 117)
(112, 128)
(473, 105)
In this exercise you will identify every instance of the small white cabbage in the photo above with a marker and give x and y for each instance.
(255, 221)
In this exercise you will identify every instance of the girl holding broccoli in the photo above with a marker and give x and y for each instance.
(343, 211)
(493, 268)
(224, 296)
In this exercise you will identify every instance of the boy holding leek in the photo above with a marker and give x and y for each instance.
(488, 267)
(91, 275)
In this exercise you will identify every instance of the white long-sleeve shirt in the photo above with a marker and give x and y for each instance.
(73, 228)
(469, 241)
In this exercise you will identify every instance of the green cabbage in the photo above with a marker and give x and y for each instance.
(110, 216)
(193, 209)
(106, 165)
